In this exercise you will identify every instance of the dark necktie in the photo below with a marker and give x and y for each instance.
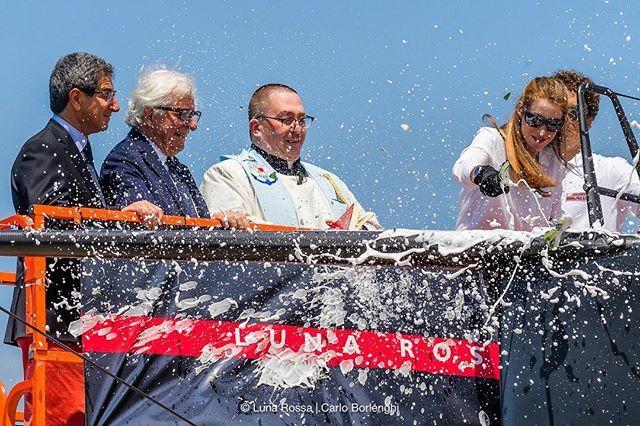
(87, 154)
(182, 185)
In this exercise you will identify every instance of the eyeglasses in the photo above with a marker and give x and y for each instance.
(537, 121)
(305, 121)
(107, 95)
(573, 113)
(185, 114)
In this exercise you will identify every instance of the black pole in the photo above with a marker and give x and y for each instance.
(319, 247)
(590, 182)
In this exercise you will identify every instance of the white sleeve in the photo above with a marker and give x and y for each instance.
(226, 186)
(556, 204)
(623, 175)
(371, 222)
(481, 152)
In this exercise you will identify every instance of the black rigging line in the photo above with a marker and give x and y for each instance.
(626, 96)
(93, 364)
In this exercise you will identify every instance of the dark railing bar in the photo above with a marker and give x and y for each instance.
(613, 194)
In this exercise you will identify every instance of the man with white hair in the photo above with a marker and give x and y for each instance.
(161, 112)
(269, 181)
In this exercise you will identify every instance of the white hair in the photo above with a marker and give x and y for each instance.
(156, 87)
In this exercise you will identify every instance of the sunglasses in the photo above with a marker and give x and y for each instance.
(185, 114)
(536, 121)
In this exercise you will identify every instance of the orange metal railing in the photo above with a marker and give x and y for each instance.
(35, 268)
(9, 413)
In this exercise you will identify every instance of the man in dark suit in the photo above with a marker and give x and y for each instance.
(55, 167)
(144, 166)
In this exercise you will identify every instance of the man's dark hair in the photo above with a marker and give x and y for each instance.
(573, 80)
(80, 70)
(258, 100)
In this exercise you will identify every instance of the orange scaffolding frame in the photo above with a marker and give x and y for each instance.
(35, 268)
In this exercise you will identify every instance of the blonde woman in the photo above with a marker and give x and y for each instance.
(510, 175)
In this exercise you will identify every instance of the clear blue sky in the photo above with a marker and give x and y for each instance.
(362, 68)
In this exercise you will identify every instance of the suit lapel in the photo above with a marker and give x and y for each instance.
(91, 188)
(151, 159)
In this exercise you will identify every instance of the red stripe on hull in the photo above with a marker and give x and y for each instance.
(367, 349)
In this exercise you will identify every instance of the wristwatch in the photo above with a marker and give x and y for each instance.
(474, 173)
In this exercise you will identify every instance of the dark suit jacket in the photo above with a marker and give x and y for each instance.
(50, 170)
(132, 171)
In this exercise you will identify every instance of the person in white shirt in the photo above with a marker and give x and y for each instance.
(611, 172)
(270, 182)
(527, 193)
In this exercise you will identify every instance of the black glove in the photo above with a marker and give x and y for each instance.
(488, 179)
